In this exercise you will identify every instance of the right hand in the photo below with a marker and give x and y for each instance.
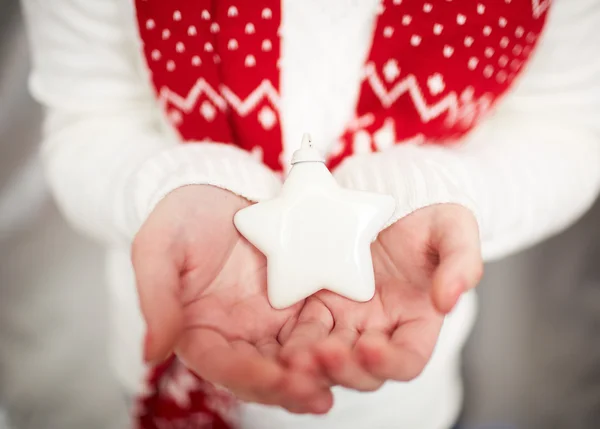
(202, 290)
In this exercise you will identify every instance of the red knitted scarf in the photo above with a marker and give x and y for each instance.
(435, 67)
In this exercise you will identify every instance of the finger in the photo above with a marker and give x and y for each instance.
(401, 356)
(269, 348)
(242, 369)
(296, 352)
(238, 368)
(340, 363)
(313, 325)
(157, 281)
(456, 239)
(304, 394)
(298, 394)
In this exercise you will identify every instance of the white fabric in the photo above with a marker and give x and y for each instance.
(527, 172)
(324, 47)
(86, 68)
(530, 170)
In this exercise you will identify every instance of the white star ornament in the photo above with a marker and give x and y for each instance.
(315, 234)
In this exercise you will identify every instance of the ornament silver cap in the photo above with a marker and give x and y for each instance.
(307, 152)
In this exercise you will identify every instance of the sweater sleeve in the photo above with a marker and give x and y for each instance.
(107, 153)
(532, 168)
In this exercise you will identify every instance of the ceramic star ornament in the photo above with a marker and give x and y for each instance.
(315, 234)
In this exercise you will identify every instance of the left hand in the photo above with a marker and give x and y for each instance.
(202, 290)
(423, 264)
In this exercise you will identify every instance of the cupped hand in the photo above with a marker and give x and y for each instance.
(202, 290)
(423, 263)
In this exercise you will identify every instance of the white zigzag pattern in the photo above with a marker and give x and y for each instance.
(539, 6)
(243, 107)
(448, 104)
(187, 104)
(227, 97)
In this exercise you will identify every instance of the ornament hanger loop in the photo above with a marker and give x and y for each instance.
(307, 152)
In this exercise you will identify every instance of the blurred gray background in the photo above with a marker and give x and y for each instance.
(532, 362)
(53, 363)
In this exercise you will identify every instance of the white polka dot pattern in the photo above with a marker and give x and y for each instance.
(436, 68)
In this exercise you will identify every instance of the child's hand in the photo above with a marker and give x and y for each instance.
(202, 289)
(423, 263)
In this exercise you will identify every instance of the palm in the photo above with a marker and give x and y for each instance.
(224, 291)
(202, 289)
(393, 335)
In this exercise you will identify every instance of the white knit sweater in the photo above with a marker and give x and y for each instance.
(529, 171)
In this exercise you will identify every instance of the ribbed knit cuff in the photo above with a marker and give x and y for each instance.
(414, 180)
(224, 166)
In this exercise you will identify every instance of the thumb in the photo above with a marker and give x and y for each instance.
(157, 280)
(455, 235)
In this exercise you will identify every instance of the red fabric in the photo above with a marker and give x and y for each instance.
(175, 398)
(435, 68)
(213, 64)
